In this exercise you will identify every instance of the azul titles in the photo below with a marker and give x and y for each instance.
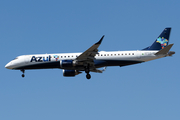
(44, 58)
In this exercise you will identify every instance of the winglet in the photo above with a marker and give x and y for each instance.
(99, 42)
(164, 50)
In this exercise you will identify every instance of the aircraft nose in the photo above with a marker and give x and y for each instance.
(8, 66)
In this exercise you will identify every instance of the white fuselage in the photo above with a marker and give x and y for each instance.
(26, 61)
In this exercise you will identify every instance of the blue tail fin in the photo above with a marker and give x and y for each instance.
(162, 41)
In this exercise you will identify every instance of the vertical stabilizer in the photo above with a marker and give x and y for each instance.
(162, 41)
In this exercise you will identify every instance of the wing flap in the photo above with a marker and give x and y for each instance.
(98, 71)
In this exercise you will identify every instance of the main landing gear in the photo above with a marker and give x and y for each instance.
(23, 73)
(88, 76)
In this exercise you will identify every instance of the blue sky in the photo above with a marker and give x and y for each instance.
(144, 91)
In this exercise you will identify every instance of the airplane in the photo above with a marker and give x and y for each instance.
(91, 60)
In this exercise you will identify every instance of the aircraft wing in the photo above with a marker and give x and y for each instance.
(87, 57)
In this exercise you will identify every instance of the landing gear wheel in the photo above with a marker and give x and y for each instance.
(88, 76)
(23, 75)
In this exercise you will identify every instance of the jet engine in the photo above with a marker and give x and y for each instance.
(67, 63)
(70, 73)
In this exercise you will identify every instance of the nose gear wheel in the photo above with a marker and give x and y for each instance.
(23, 73)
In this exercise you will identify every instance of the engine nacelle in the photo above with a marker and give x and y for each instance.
(70, 73)
(67, 63)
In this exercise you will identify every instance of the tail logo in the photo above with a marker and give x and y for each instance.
(162, 41)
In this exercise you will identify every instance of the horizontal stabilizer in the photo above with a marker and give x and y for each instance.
(164, 50)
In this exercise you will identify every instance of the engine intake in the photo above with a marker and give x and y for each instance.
(70, 73)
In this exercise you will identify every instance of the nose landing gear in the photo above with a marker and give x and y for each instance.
(23, 73)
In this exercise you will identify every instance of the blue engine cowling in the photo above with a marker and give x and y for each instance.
(67, 64)
(70, 73)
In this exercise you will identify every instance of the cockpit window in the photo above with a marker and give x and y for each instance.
(15, 58)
